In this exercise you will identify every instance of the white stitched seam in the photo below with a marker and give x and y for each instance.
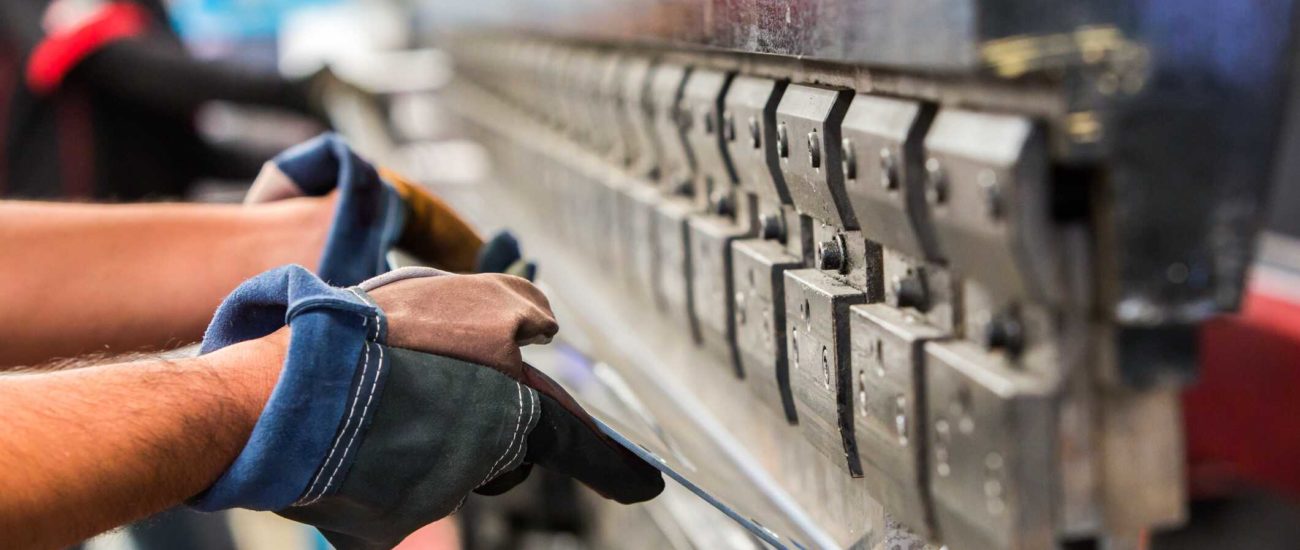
(523, 441)
(519, 389)
(373, 385)
(379, 370)
(352, 409)
(532, 409)
(374, 338)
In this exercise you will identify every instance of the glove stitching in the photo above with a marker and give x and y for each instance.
(352, 409)
(532, 407)
(374, 383)
(519, 390)
(523, 441)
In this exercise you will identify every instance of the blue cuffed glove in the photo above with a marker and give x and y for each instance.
(369, 442)
(332, 364)
(378, 210)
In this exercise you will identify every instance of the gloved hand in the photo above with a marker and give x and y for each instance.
(399, 397)
(377, 211)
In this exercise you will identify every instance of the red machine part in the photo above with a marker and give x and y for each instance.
(1242, 416)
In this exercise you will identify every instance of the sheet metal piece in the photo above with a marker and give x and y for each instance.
(817, 321)
(766, 535)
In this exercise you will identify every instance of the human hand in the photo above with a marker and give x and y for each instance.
(373, 431)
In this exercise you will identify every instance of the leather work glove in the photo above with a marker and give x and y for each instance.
(377, 210)
(400, 396)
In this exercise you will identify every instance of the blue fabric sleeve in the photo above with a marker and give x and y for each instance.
(313, 417)
(370, 213)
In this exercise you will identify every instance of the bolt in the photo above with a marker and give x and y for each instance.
(755, 133)
(683, 187)
(936, 183)
(830, 255)
(772, 227)
(814, 150)
(910, 291)
(728, 126)
(782, 141)
(722, 203)
(888, 169)
(850, 160)
(1004, 331)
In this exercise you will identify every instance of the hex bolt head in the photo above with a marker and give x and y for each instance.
(910, 291)
(850, 161)
(684, 187)
(830, 255)
(728, 126)
(1005, 331)
(814, 150)
(771, 227)
(888, 169)
(755, 133)
(782, 141)
(936, 182)
(722, 203)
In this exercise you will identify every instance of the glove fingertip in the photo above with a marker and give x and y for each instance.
(645, 483)
(506, 481)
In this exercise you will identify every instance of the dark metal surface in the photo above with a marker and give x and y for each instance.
(987, 189)
(674, 158)
(883, 168)
(988, 489)
(807, 144)
(712, 284)
(749, 124)
(888, 381)
(673, 276)
(1174, 107)
(1088, 190)
(700, 115)
(758, 275)
(923, 34)
(818, 350)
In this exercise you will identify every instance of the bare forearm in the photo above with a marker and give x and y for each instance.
(85, 450)
(116, 278)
